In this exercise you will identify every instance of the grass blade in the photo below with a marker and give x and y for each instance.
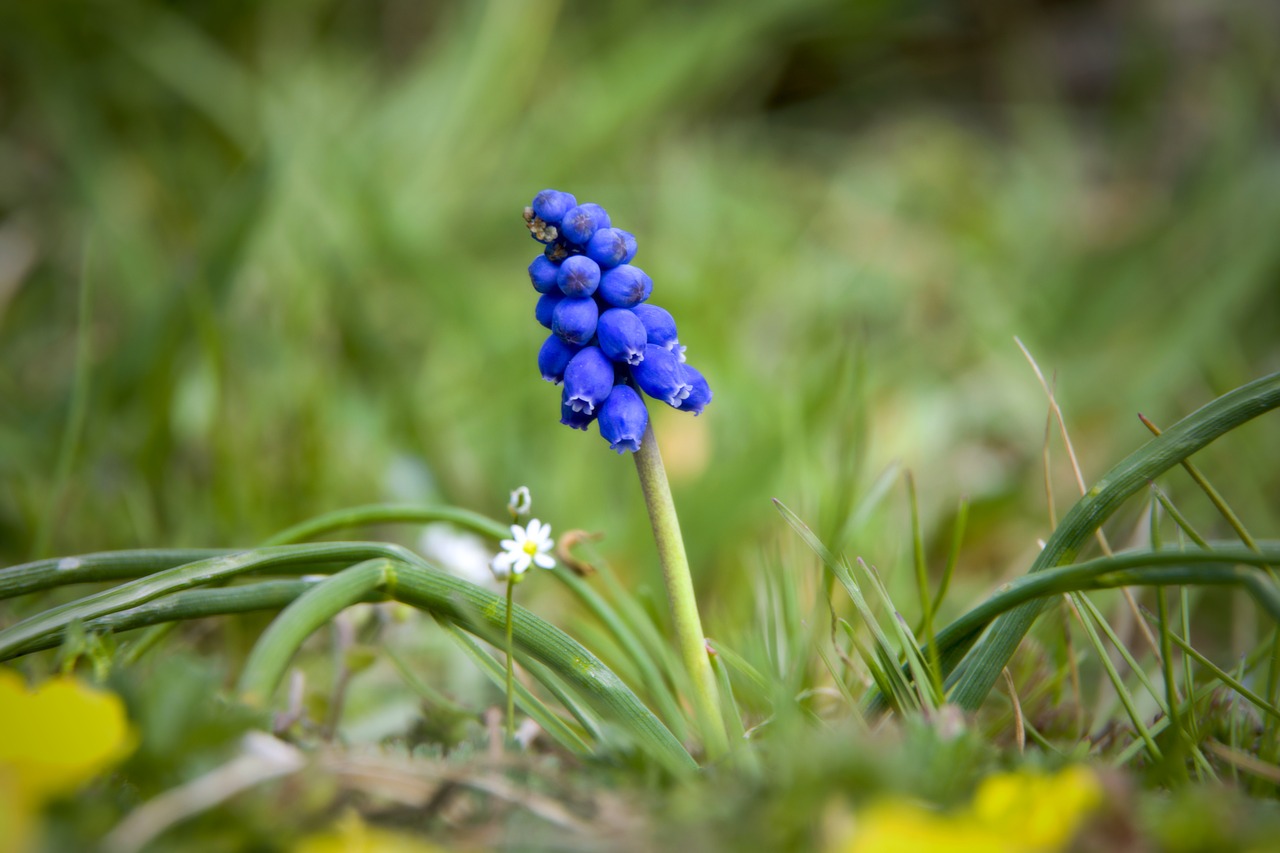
(484, 613)
(182, 606)
(370, 514)
(1124, 480)
(285, 635)
(96, 568)
(183, 577)
(530, 704)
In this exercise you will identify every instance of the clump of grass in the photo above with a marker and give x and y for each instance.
(1149, 712)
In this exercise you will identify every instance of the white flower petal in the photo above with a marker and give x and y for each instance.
(501, 565)
(528, 546)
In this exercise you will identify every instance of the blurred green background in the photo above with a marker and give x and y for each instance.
(261, 261)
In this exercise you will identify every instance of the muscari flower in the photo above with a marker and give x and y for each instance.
(582, 222)
(554, 357)
(544, 311)
(625, 286)
(588, 380)
(700, 394)
(660, 327)
(528, 546)
(573, 418)
(574, 319)
(622, 336)
(578, 276)
(607, 344)
(662, 376)
(542, 273)
(551, 205)
(610, 247)
(623, 419)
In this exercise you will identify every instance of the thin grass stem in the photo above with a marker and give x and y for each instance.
(1176, 444)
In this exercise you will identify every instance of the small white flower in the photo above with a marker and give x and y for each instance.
(528, 547)
(520, 502)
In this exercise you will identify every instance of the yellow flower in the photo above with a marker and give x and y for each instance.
(53, 739)
(1043, 811)
(59, 735)
(353, 835)
(904, 826)
(1018, 812)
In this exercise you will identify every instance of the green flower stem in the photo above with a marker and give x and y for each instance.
(510, 650)
(684, 606)
(1124, 480)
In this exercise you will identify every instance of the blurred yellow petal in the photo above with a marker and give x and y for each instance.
(17, 817)
(1017, 812)
(900, 826)
(352, 835)
(1045, 812)
(58, 735)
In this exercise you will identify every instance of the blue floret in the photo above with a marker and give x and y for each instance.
(661, 376)
(571, 418)
(578, 276)
(611, 246)
(554, 357)
(701, 394)
(543, 272)
(574, 319)
(551, 205)
(659, 325)
(581, 222)
(625, 286)
(622, 335)
(623, 419)
(545, 309)
(588, 379)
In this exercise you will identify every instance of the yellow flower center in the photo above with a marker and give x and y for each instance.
(530, 547)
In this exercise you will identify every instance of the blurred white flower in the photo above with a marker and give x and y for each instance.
(520, 502)
(528, 547)
(459, 553)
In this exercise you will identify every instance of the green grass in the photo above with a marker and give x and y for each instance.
(268, 265)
